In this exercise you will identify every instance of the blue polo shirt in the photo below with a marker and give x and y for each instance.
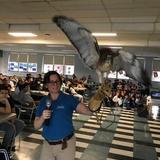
(61, 124)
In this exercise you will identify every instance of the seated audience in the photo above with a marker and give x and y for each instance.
(11, 128)
(74, 93)
(19, 83)
(126, 102)
(24, 97)
(132, 102)
(117, 99)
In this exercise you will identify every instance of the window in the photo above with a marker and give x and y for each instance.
(69, 65)
(63, 64)
(14, 57)
(32, 63)
(48, 63)
(141, 60)
(13, 66)
(23, 66)
(22, 62)
(58, 63)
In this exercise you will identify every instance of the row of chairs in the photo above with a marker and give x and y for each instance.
(21, 110)
(27, 110)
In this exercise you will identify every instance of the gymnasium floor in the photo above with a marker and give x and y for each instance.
(122, 136)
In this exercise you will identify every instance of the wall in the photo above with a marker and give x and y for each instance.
(4, 65)
(82, 70)
(4, 62)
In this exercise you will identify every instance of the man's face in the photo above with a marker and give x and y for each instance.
(54, 84)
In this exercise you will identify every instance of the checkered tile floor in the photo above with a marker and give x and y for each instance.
(122, 135)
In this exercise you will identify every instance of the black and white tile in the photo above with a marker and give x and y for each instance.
(122, 135)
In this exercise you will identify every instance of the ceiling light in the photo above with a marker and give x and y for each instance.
(22, 34)
(115, 47)
(104, 34)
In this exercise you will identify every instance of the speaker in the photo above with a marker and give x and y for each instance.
(1, 53)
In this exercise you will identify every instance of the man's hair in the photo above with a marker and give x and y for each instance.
(48, 74)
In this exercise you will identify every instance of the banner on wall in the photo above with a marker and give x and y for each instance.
(13, 66)
(122, 75)
(23, 67)
(156, 76)
(32, 67)
(47, 67)
(58, 68)
(68, 70)
(112, 74)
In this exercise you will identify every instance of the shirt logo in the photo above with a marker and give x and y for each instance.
(60, 107)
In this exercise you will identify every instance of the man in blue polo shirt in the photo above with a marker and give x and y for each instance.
(56, 120)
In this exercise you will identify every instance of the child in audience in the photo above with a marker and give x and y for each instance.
(11, 128)
(74, 93)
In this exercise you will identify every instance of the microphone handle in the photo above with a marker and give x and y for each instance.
(47, 121)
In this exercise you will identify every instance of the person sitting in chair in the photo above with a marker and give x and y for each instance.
(11, 128)
(24, 97)
(74, 93)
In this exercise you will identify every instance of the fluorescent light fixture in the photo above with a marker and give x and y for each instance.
(22, 34)
(115, 47)
(104, 34)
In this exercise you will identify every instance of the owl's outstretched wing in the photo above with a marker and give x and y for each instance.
(81, 38)
(132, 66)
(122, 60)
(96, 58)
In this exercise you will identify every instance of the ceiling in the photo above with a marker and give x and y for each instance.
(137, 22)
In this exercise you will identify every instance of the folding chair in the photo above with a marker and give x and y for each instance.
(4, 154)
(24, 109)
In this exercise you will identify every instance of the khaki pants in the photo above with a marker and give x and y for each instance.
(55, 152)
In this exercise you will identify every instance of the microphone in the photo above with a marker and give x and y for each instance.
(48, 107)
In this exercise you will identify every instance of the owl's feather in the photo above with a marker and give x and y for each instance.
(100, 59)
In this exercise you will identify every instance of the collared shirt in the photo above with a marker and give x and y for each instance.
(60, 124)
